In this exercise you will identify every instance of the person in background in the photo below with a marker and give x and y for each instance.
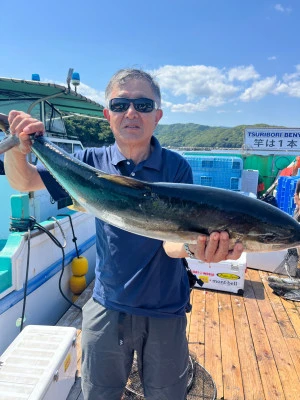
(141, 286)
(292, 261)
(297, 202)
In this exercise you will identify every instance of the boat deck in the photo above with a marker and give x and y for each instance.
(249, 344)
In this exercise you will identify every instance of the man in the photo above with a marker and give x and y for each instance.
(141, 286)
(297, 202)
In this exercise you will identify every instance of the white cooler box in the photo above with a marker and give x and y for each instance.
(40, 364)
(273, 261)
(228, 276)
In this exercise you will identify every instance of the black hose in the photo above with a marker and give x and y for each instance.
(18, 225)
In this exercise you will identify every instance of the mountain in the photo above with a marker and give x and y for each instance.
(194, 135)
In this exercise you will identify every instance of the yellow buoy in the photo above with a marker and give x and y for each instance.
(79, 266)
(77, 284)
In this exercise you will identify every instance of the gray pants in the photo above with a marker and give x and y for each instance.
(161, 346)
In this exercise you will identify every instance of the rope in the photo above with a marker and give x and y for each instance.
(74, 240)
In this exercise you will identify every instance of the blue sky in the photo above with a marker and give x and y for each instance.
(219, 63)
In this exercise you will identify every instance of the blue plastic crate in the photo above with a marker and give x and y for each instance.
(222, 172)
(285, 193)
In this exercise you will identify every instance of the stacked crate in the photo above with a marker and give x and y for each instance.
(221, 172)
(285, 193)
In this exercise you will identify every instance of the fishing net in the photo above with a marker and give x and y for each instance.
(289, 265)
(286, 287)
(200, 384)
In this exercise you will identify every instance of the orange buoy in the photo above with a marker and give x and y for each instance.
(79, 266)
(77, 284)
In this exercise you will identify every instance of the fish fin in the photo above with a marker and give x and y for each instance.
(76, 206)
(123, 180)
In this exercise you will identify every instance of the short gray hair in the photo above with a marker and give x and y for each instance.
(124, 75)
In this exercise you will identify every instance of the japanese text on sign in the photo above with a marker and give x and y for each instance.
(272, 139)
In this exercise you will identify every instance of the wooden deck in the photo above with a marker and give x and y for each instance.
(250, 345)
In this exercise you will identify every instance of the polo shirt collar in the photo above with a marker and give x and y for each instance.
(153, 161)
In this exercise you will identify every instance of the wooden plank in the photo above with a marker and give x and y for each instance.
(250, 345)
(294, 343)
(78, 351)
(285, 366)
(252, 387)
(266, 363)
(275, 301)
(196, 328)
(288, 319)
(73, 315)
(213, 355)
(293, 313)
(188, 317)
(233, 384)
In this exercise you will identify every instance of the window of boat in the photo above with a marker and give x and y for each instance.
(53, 120)
(77, 147)
(21, 105)
(67, 146)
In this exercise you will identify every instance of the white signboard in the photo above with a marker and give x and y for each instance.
(272, 139)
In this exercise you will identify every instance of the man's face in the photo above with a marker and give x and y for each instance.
(132, 127)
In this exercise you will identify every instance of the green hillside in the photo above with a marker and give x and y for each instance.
(94, 132)
(194, 135)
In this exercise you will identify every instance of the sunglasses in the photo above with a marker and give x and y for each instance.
(142, 105)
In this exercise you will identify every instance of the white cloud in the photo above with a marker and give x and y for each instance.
(85, 90)
(242, 73)
(194, 81)
(202, 105)
(93, 94)
(290, 84)
(280, 8)
(292, 77)
(259, 89)
(292, 89)
(197, 88)
(272, 58)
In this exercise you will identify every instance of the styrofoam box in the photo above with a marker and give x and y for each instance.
(249, 180)
(273, 261)
(228, 276)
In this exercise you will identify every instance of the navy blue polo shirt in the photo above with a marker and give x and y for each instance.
(133, 273)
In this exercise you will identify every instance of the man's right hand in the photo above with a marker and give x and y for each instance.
(22, 175)
(22, 125)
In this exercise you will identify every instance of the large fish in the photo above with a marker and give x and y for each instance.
(168, 211)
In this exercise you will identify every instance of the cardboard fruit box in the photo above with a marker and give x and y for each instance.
(227, 276)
